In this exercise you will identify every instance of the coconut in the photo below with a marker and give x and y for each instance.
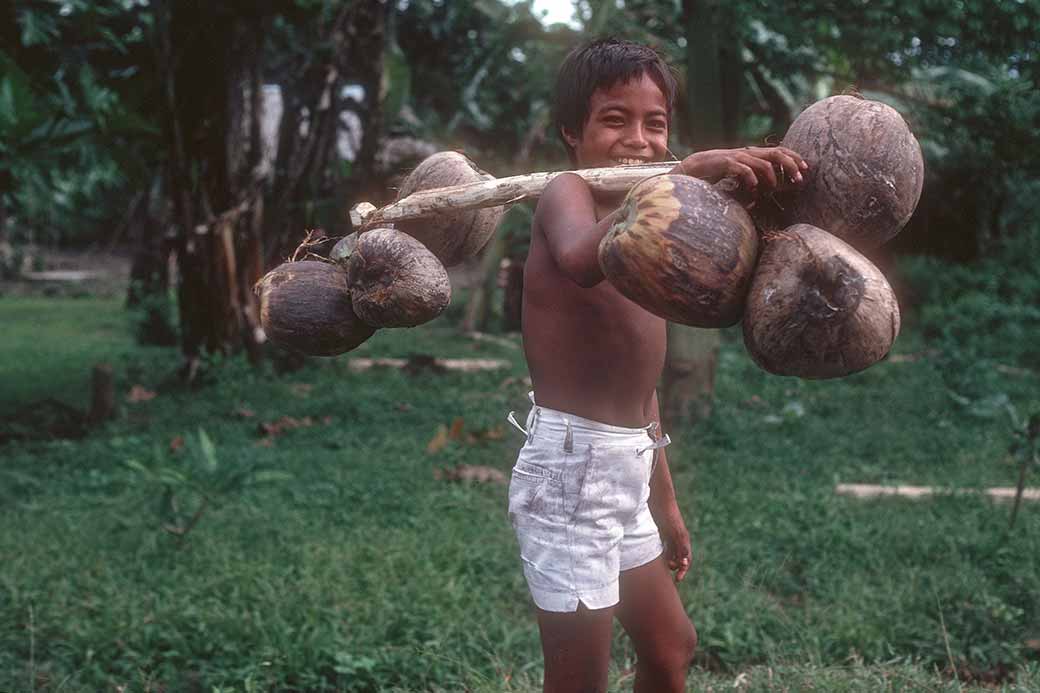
(817, 308)
(305, 306)
(453, 236)
(865, 170)
(683, 250)
(395, 281)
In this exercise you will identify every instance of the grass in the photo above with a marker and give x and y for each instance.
(359, 571)
(49, 347)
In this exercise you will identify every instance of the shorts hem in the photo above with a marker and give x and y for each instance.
(567, 602)
(642, 554)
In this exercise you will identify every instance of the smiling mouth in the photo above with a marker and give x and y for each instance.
(629, 160)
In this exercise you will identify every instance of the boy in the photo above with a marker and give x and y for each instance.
(591, 496)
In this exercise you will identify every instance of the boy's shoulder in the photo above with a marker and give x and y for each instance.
(563, 183)
(564, 188)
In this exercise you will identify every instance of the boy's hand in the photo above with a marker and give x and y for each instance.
(676, 539)
(759, 169)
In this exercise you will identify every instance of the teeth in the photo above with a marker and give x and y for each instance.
(630, 161)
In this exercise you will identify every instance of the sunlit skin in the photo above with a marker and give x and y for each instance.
(594, 353)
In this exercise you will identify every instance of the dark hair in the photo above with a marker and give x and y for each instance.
(601, 64)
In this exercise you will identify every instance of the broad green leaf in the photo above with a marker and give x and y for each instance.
(138, 467)
(209, 452)
(269, 476)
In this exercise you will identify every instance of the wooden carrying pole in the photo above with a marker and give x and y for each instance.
(500, 191)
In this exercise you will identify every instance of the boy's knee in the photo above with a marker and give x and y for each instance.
(691, 645)
(674, 657)
(685, 649)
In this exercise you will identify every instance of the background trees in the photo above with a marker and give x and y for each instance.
(218, 134)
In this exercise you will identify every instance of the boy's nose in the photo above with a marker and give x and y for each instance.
(636, 137)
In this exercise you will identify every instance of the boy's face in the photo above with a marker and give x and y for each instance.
(627, 124)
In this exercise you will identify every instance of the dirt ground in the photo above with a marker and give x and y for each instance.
(107, 274)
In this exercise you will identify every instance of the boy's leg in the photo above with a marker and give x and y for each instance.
(654, 618)
(576, 649)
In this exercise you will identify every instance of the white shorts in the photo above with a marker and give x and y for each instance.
(578, 502)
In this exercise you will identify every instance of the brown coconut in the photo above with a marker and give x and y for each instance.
(682, 250)
(453, 236)
(305, 306)
(817, 308)
(395, 281)
(865, 170)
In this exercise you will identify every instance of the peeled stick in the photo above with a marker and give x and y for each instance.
(865, 170)
(817, 308)
(452, 235)
(305, 306)
(683, 250)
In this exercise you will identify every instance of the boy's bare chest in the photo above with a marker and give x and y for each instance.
(588, 320)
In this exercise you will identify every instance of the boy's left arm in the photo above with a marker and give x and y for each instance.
(665, 509)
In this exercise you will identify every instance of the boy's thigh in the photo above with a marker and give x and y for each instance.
(650, 609)
(576, 648)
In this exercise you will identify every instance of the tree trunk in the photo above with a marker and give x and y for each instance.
(148, 291)
(705, 126)
(355, 37)
(513, 296)
(479, 305)
(688, 381)
(689, 374)
(209, 60)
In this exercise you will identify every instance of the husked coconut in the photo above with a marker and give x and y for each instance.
(305, 306)
(456, 235)
(817, 308)
(395, 281)
(682, 250)
(865, 172)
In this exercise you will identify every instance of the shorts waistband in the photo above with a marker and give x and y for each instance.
(553, 416)
(566, 424)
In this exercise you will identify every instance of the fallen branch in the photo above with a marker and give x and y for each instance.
(61, 276)
(1013, 370)
(914, 357)
(999, 493)
(501, 191)
(358, 365)
(485, 337)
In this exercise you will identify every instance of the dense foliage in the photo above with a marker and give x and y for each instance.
(78, 126)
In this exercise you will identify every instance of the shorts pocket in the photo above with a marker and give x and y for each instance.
(529, 494)
(530, 472)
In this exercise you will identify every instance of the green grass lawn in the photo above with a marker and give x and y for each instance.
(49, 347)
(341, 563)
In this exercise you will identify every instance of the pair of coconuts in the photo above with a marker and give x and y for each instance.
(812, 305)
(381, 277)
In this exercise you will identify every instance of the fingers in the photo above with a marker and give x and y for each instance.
(756, 168)
(684, 567)
(762, 167)
(787, 160)
(744, 173)
(679, 559)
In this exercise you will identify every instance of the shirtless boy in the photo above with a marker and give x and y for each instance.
(591, 496)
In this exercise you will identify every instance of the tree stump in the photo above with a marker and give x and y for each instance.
(103, 400)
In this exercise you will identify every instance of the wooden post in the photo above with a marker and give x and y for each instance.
(479, 305)
(103, 400)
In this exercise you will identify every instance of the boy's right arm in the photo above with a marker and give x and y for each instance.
(750, 165)
(566, 215)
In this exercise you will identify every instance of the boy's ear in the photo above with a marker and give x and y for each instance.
(569, 138)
